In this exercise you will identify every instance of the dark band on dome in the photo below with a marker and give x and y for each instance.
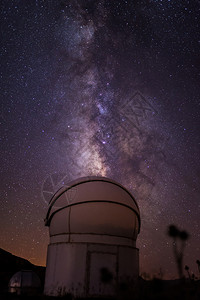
(52, 201)
(48, 221)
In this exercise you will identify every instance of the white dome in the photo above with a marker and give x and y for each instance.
(94, 205)
(24, 281)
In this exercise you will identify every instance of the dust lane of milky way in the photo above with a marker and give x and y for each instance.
(107, 88)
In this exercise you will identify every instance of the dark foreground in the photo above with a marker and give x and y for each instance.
(145, 290)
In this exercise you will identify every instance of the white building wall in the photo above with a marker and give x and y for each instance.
(65, 272)
(76, 268)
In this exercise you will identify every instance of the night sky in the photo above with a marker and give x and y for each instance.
(107, 88)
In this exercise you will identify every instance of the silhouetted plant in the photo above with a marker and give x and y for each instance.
(193, 276)
(187, 270)
(183, 235)
(173, 231)
(176, 234)
(160, 274)
(198, 265)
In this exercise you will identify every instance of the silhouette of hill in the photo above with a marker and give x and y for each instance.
(10, 264)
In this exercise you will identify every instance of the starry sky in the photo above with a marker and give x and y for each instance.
(107, 88)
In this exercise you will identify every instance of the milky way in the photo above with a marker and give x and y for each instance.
(107, 88)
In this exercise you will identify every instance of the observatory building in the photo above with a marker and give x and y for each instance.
(93, 226)
(24, 282)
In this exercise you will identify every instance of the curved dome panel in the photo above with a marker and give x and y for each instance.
(94, 205)
(106, 218)
(95, 218)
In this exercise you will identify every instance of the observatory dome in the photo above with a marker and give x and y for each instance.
(93, 205)
(93, 226)
(24, 282)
